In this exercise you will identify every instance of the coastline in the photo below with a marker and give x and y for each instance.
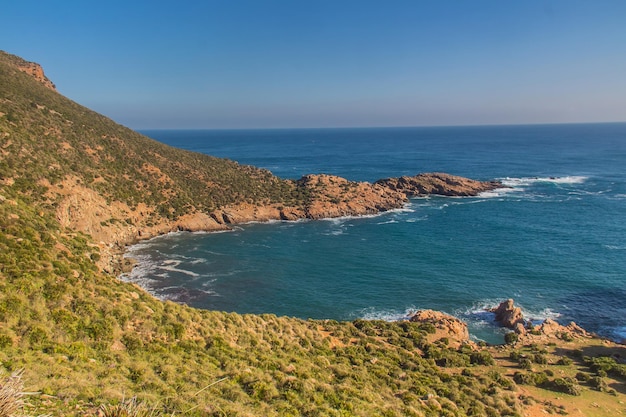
(332, 197)
(227, 218)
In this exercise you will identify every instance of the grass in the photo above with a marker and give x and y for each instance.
(11, 394)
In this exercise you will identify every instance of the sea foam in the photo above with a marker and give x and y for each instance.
(525, 181)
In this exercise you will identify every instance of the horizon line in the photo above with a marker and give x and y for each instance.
(383, 127)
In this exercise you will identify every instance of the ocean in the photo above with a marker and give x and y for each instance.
(555, 241)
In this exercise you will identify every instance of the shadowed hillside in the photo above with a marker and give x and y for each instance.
(72, 182)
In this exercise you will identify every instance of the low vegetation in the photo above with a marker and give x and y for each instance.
(89, 344)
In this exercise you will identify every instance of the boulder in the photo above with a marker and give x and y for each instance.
(508, 315)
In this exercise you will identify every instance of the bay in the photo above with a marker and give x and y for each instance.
(555, 241)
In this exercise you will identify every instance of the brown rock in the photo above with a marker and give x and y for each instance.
(332, 196)
(550, 330)
(445, 325)
(519, 328)
(550, 327)
(439, 184)
(36, 71)
(508, 315)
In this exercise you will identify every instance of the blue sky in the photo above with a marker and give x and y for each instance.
(329, 63)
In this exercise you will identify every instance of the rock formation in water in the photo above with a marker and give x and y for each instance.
(438, 184)
(508, 315)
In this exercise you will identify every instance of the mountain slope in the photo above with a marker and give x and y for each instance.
(53, 147)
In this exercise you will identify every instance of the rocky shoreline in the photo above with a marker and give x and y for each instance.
(328, 197)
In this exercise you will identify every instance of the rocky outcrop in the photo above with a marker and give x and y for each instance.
(438, 184)
(508, 315)
(551, 327)
(36, 71)
(550, 332)
(332, 196)
(444, 324)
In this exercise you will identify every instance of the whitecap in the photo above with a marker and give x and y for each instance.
(196, 261)
(498, 192)
(372, 313)
(479, 312)
(173, 267)
(408, 208)
(417, 219)
(615, 247)
(539, 316)
(334, 232)
(208, 282)
(525, 181)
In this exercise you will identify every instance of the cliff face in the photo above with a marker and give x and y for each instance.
(36, 71)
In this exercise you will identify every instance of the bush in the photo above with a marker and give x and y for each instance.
(132, 342)
(511, 338)
(515, 355)
(525, 363)
(582, 377)
(5, 341)
(598, 383)
(564, 360)
(481, 358)
(531, 378)
(602, 363)
(565, 385)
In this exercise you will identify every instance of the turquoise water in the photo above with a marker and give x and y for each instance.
(555, 241)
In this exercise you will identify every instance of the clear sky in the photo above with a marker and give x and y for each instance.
(328, 63)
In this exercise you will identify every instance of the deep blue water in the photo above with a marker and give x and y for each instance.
(555, 241)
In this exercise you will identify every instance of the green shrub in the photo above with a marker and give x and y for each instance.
(132, 342)
(5, 341)
(582, 377)
(530, 378)
(525, 363)
(564, 360)
(598, 383)
(481, 357)
(565, 385)
(511, 338)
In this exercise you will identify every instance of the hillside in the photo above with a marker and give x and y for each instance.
(75, 187)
